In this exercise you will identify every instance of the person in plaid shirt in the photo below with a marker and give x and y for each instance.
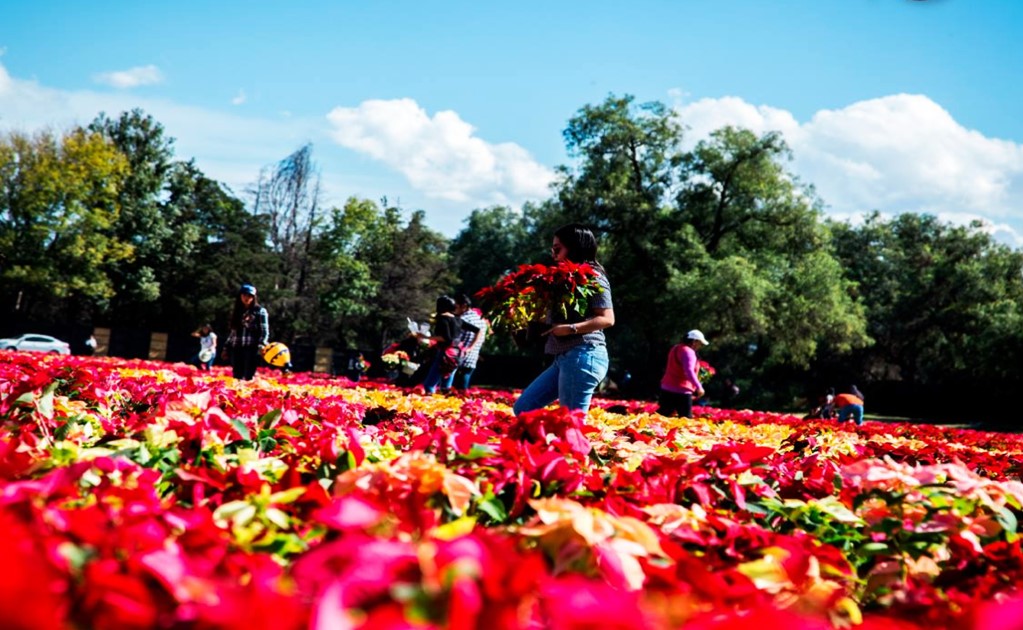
(250, 331)
(474, 332)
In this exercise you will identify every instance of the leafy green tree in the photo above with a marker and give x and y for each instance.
(378, 269)
(142, 221)
(194, 242)
(351, 247)
(411, 278)
(219, 245)
(761, 242)
(59, 200)
(491, 244)
(945, 304)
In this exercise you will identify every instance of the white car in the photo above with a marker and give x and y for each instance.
(36, 343)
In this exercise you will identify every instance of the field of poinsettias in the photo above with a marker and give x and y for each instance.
(143, 495)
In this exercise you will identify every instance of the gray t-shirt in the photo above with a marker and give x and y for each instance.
(560, 345)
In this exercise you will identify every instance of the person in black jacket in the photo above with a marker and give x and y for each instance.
(447, 330)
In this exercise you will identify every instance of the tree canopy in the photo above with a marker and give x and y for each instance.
(61, 201)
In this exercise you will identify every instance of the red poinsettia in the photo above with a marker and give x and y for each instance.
(705, 371)
(531, 292)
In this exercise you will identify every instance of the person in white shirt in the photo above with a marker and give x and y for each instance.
(207, 347)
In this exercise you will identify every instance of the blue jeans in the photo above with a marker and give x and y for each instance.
(462, 376)
(570, 380)
(856, 411)
(434, 377)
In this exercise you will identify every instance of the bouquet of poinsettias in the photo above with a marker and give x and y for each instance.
(705, 371)
(531, 292)
(361, 364)
(393, 360)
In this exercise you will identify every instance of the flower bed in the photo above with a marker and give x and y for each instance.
(141, 495)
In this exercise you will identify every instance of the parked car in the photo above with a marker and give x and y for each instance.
(36, 343)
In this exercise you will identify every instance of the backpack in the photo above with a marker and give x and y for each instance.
(450, 355)
(451, 358)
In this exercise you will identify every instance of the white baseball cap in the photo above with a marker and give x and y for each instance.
(698, 336)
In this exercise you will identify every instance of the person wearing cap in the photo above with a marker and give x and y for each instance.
(250, 331)
(681, 381)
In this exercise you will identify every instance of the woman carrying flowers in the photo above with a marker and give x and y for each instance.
(446, 331)
(575, 337)
(681, 380)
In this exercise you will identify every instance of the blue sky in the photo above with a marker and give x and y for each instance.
(895, 105)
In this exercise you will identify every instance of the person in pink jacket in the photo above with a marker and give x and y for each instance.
(681, 381)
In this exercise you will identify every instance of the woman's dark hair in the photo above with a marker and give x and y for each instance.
(445, 304)
(463, 300)
(579, 241)
(239, 308)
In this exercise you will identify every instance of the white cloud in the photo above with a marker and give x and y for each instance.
(240, 98)
(132, 77)
(440, 155)
(708, 114)
(899, 153)
(232, 148)
(227, 147)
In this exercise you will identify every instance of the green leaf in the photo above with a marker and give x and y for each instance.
(1007, 520)
(874, 547)
(756, 510)
(479, 451)
(75, 555)
(44, 404)
(61, 431)
(834, 508)
(493, 508)
(287, 496)
(25, 398)
(349, 460)
(242, 429)
(269, 419)
(278, 517)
